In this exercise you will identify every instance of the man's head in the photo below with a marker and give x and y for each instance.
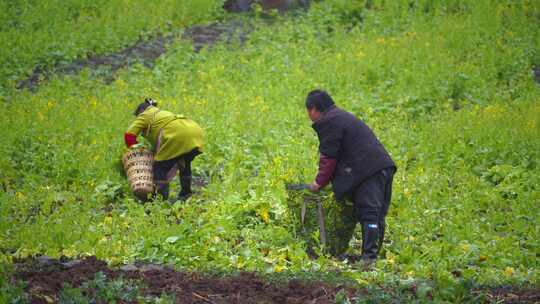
(317, 102)
(142, 106)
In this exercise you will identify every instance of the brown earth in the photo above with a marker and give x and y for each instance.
(509, 295)
(144, 51)
(45, 278)
(237, 6)
(147, 51)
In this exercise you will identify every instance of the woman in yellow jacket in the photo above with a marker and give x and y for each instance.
(177, 141)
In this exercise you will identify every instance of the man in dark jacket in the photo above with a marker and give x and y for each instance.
(356, 163)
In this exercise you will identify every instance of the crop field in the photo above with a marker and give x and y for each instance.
(451, 88)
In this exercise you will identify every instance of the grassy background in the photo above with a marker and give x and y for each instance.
(447, 87)
(44, 33)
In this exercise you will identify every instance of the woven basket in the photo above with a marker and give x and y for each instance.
(138, 165)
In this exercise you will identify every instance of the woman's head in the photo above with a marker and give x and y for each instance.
(142, 106)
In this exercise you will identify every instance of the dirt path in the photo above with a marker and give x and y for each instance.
(148, 51)
(145, 52)
(46, 278)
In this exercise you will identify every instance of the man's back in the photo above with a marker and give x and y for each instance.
(352, 143)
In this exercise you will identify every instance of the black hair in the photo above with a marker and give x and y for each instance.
(319, 99)
(142, 106)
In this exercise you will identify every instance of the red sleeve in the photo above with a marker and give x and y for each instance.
(130, 139)
(327, 166)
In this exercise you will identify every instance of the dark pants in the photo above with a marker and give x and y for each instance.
(372, 197)
(163, 170)
(371, 200)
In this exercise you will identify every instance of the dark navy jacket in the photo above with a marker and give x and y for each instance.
(351, 142)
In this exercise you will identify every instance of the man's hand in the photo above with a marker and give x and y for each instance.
(314, 187)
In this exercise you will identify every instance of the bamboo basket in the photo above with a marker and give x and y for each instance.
(138, 166)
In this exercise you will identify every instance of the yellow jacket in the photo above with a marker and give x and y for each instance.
(171, 135)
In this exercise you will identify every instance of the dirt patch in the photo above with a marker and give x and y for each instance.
(244, 288)
(46, 277)
(147, 51)
(144, 52)
(208, 35)
(508, 294)
(238, 6)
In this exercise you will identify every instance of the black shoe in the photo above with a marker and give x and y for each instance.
(183, 196)
(370, 241)
(185, 183)
(349, 258)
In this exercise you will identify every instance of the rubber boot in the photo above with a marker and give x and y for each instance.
(185, 182)
(370, 241)
(382, 228)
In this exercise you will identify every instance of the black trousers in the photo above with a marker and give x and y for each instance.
(162, 170)
(371, 199)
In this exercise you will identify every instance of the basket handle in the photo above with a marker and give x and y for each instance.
(160, 134)
(150, 124)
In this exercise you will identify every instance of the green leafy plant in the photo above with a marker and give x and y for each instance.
(447, 87)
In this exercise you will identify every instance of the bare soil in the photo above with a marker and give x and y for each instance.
(147, 51)
(45, 278)
(509, 295)
(144, 51)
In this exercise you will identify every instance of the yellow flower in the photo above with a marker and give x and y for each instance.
(407, 192)
(362, 282)
(69, 252)
(263, 213)
(19, 195)
(93, 102)
(108, 220)
(114, 261)
(508, 271)
(121, 83)
(411, 34)
(279, 268)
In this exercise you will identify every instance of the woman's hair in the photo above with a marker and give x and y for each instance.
(142, 106)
